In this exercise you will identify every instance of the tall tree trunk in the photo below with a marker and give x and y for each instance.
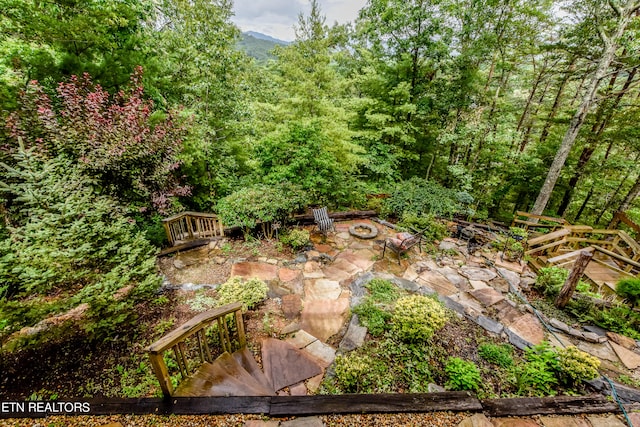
(556, 102)
(610, 46)
(631, 196)
(594, 137)
(527, 134)
(584, 205)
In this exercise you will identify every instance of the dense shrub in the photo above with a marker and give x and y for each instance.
(551, 279)
(423, 197)
(297, 238)
(373, 316)
(462, 375)
(358, 373)
(433, 229)
(629, 289)
(576, 365)
(260, 204)
(70, 245)
(500, 355)
(249, 293)
(416, 318)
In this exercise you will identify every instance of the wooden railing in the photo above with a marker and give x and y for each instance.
(560, 247)
(621, 217)
(532, 222)
(187, 226)
(199, 340)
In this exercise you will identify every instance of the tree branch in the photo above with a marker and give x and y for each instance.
(616, 8)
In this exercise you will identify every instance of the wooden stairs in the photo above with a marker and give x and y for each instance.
(208, 356)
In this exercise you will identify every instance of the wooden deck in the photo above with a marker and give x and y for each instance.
(616, 254)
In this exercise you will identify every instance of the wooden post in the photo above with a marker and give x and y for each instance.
(569, 286)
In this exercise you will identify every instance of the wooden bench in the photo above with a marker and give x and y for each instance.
(196, 343)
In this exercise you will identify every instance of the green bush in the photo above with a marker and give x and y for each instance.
(260, 204)
(358, 373)
(250, 293)
(462, 375)
(500, 355)
(381, 290)
(538, 376)
(435, 230)
(424, 197)
(576, 365)
(551, 279)
(297, 238)
(416, 318)
(375, 318)
(629, 289)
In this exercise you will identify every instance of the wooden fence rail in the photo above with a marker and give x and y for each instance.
(196, 332)
(187, 226)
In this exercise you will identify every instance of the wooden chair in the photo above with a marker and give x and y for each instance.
(402, 242)
(322, 220)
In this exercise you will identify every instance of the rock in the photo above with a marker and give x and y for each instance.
(322, 289)
(300, 259)
(478, 284)
(559, 325)
(625, 342)
(354, 337)
(490, 324)
(324, 318)
(410, 273)
(323, 353)
(179, 264)
(448, 245)
(475, 273)
(260, 423)
(272, 261)
(219, 260)
(285, 365)
(312, 270)
(487, 296)
(435, 388)
(514, 422)
(303, 422)
(298, 390)
(453, 305)
(437, 282)
(629, 358)
(258, 270)
(290, 328)
(291, 306)
(596, 330)
(528, 327)
(452, 276)
(527, 282)
(407, 285)
(610, 421)
(472, 308)
(564, 422)
(601, 351)
(511, 277)
(476, 420)
(591, 337)
(313, 383)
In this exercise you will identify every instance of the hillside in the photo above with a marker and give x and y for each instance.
(259, 46)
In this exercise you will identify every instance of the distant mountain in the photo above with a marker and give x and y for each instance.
(258, 45)
(261, 36)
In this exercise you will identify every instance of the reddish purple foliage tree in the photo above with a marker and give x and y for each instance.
(116, 139)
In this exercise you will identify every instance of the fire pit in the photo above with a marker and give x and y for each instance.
(363, 231)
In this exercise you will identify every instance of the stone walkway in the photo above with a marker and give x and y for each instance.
(317, 288)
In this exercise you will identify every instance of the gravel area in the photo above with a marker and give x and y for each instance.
(432, 419)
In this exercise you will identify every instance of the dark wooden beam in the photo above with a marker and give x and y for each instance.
(372, 403)
(560, 405)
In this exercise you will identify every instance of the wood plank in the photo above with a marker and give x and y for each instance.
(568, 255)
(543, 217)
(619, 257)
(183, 406)
(550, 236)
(560, 405)
(545, 247)
(373, 403)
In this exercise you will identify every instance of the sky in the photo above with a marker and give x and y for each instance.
(276, 18)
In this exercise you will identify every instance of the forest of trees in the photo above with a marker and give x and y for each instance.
(117, 113)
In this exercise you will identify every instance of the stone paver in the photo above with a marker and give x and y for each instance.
(301, 339)
(323, 353)
(478, 284)
(355, 335)
(291, 305)
(564, 422)
(476, 420)
(298, 390)
(487, 296)
(629, 358)
(437, 282)
(287, 274)
(321, 289)
(303, 422)
(529, 328)
(285, 365)
(475, 273)
(511, 277)
(601, 351)
(312, 270)
(514, 422)
(258, 270)
(324, 318)
(260, 423)
(610, 421)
